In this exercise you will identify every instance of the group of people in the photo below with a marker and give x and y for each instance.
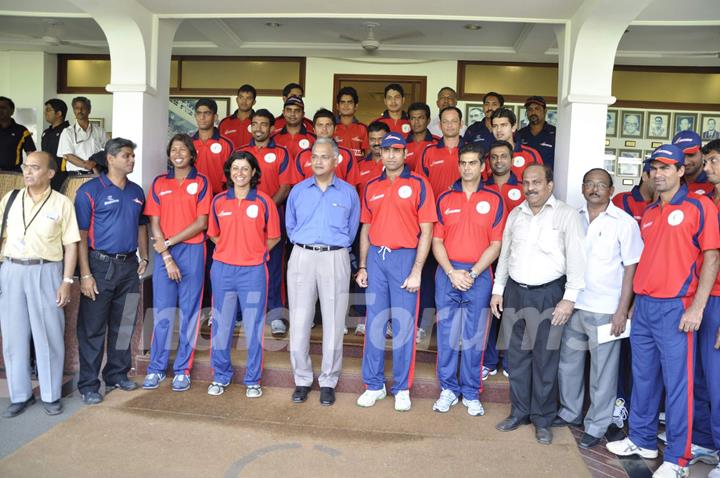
(465, 223)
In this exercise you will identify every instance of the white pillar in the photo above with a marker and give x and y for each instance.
(587, 46)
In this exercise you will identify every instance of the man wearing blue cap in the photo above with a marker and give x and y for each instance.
(695, 178)
(398, 212)
(681, 236)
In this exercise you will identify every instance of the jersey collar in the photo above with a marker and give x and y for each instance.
(191, 175)
(215, 135)
(636, 195)
(428, 137)
(404, 174)
(252, 194)
(403, 115)
(457, 186)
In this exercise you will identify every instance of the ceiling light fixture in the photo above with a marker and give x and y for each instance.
(472, 26)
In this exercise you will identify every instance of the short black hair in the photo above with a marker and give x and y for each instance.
(376, 126)
(347, 91)
(324, 113)
(247, 156)
(473, 148)
(291, 86)
(505, 113)
(713, 145)
(497, 95)
(247, 89)
(264, 114)
(447, 88)
(209, 102)
(546, 168)
(396, 87)
(599, 170)
(187, 141)
(501, 144)
(453, 108)
(82, 99)
(419, 106)
(8, 101)
(57, 105)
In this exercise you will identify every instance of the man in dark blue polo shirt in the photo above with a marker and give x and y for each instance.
(322, 218)
(55, 112)
(481, 131)
(539, 134)
(112, 228)
(14, 138)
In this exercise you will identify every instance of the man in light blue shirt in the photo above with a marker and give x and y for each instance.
(322, 217)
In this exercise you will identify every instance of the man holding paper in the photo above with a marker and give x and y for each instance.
(612, 246)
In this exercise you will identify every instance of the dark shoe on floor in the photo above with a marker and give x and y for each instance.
(91, 398)
(511, 423)
(589, 441)
(125, 385)
(543, 435)
(300, 394)
(559, 422)
(16, 409)
(327, 396)
(53, 408)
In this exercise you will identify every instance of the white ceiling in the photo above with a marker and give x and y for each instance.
(510, 31)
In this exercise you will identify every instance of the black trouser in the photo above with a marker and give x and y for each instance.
(112, 313)
(534, 349)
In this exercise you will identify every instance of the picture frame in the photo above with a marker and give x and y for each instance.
(611, 122)
(632, 122)
(474, 113)
(99, 122)
(629, 162)
(684, 121)
(658, 125)
(181, 113)
(610, 160)
(710, 127)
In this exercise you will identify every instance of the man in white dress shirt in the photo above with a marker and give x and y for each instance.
(81, 140)
(539, 275)
(613, 246)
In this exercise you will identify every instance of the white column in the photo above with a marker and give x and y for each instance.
(587, 46)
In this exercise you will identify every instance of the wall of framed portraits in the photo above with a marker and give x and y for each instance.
(474, 113)
(633, 133)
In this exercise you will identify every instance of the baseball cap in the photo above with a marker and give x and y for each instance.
(538, 100)
(668, 154)
(393, 140)
(294, 100)
(688, 141)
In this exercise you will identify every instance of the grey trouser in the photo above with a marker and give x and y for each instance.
(580, 335)
(27, 306)
(311, 275)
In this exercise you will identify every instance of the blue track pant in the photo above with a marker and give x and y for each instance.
(706, 429)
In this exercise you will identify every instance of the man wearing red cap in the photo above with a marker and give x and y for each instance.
(695, 178)
(538, 134)
(681, 237)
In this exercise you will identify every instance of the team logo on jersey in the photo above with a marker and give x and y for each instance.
(405, 128)
(518, 161)
(252, 211)
(483, 207)
(249, 129)
(405, 192)
(514, 194)
(304, 143)
(192, 188)
(270, 158)
(216, 148)
(675, 218)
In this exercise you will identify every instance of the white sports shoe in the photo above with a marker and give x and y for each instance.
(420, 336)
(704, 455)
(402, 401)
(714, 473)
(626, 447)
(369, 397)
(474, 407)
(487, 372)
(447, 399)
(253, 391)
(360, 329)
(671, 470)
(620, 413)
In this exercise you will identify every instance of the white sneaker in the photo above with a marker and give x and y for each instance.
(620, 413)
(388, 331)
(278, 328)
(714, 473)
(420, 336)
(360, 329)
(671, 470)
(447, 399)
(704, 455)
(487, 372)
(253, 391)
(626, 447)
(402, 401)
(474, 407)
(217, 388)
(369, 397)
(661, 417)
(505, 372)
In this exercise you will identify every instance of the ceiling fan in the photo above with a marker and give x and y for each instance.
(371, 44)
(51, 35)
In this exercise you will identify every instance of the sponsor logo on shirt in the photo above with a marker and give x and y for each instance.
(547, 145)
(110, 200)
(363, 173)
(225, 213)
(451, 211)
(163, 193)
(435, 163)
(230, 131)
(357, 139)
(138, 201)
(647, 224)
(376, 197)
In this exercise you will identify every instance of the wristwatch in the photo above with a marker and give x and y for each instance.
(68, 280)
(473, 274)
(167, 243)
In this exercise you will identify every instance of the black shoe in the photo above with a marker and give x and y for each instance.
(511, 423)
(559, 422)
(543, 435)
(125, 385)
(91, 398)
(300, 394)
(588, 441)
(327, 396)
(53, 408)
(16, 409)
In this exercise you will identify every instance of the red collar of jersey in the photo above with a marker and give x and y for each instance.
(404, 174)
(215, 135)
(252, 194)
(191, 175)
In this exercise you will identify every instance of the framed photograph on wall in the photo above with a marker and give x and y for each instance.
(632, 124)
(610, 160)
(181, 113)
(685, 122)
(629, 162)
(710, 127)
(658, 125)
(611, 122)
(474, 113)
(99, 122)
